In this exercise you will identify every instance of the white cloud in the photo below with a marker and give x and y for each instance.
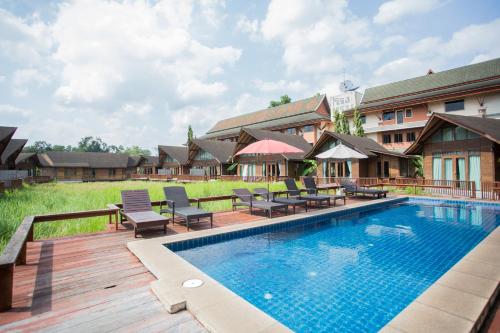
(6, 110)
(393, 40)
(394, 10)
(282, 86)
(399, 69)
(24, 79)
(314, 33)
(197, 89)
(247, 26)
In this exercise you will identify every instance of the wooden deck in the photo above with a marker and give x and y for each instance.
(92, 283)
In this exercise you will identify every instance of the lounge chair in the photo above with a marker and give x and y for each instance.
(178, 204)
(274, 198)
(138, 211)
(247, 199)
(353, 189)
(294, 192)
(311, 188)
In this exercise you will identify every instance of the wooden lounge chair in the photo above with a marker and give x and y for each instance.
(311, 188)
(294, 192)
(178, 204)
(138, 211)
(264, 193)
(353, 189)
(247, 199)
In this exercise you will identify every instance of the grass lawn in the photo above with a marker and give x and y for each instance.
(66, 197)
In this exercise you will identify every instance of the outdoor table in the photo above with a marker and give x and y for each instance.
(144, 220)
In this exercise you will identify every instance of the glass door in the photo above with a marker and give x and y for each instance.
(400, 116)
(436, 168)
(475, 170)
(448, 169)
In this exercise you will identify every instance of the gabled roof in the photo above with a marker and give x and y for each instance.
(301, 111)
(153, 160)
(488, 128)
(178, 153)
(222, 151)
(23, 157)
(457, 79)
(6, 134)
(13, 149)
(249, 135)
(134, 161)
(87, 160)
(361, 144)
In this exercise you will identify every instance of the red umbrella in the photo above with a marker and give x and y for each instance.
(269, 147)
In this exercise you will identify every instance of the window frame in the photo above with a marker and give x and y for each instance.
(411, 113)
(388, 113)
(398, 135)
(447, 103)
(384, 136)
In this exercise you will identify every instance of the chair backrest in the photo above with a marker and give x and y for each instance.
(291, 186)
(348, 185)
(310, 184)
(263, 193)
(243, 194)
(177, 194)
(136, 201)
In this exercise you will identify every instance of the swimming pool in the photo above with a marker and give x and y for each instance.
(350, 272)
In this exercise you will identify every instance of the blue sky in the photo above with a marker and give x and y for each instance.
(138, 73)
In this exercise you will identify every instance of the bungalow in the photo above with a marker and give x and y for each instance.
(460, 148)
(173, 160)
(28, 162)
(148, 166)
(306, 117)
(381, 163)
(9, 155)
(287, 165)
(83, 166)
(210, 158)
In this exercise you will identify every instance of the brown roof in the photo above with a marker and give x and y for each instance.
(222, 151)
(153, 160)
(257, 134)
(304, 110)
(361, 144)
(178, 153)
(488, 128)
(13, 149)
(6, 134)
(87, 160)
(23, 157)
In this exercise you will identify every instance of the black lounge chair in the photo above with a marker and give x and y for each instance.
(178, 204)
(311, 188)
(353, 189)
(274, 198)
(138, 211)
(294, 192)
(247, 199)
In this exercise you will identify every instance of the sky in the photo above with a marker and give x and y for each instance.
(140, 72)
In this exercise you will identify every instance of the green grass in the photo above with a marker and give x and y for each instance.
(67, 197)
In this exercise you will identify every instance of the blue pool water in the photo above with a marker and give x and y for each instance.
(350, 273)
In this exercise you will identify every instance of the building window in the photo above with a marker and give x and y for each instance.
(386, 138)
(386, 168)
(203, 155)
(111, 172)
(398, 137)
(291, 130)
(169, 159)
(363, 119)
(410, 136)
(308, 128)
(389, 115)
(408, 113)
(448, 134)
(454, 105)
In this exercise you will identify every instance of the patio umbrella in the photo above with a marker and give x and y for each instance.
(269, 147)
(341, 152)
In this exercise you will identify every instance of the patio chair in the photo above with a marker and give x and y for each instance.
(178, 204)
(269, 196)
(294, 192)
(353, 189)
(247, 199)
(138, 211)
(311, 188)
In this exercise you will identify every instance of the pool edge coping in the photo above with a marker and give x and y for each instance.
(221, 310)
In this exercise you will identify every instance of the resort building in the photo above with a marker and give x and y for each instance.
(10, 153)
(82, 166)
(284, 165)
(306, 117)
(148, 165)
(395, 114)
(381, 162)
(210, 158)
(460, 148)
(173, 160)
(28, 162)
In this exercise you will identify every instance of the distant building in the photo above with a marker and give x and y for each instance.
(306, 117)
(345, 101)
(173, 160)
(395, 114)
(210, 158)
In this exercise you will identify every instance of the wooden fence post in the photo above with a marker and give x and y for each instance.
(6, 286)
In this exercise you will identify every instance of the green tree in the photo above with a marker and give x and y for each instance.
(418, 163)
(137, 151)
(89, 144)
(310, 167)
(336, 122)
(358, 124)
(190, 134)
(341, 123)
(285, 99)
(38, 147)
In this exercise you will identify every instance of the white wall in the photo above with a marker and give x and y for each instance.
(491, 103)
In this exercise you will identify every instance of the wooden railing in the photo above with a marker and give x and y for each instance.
(490, 190)
(15, 251)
